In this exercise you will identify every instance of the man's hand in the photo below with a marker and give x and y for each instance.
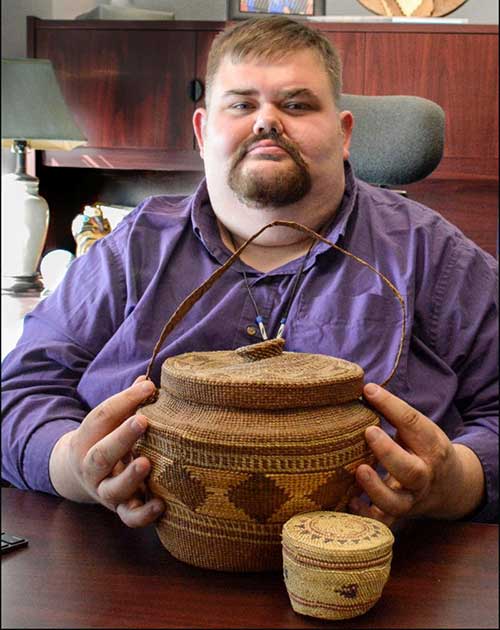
(427, 475)
(94, 463)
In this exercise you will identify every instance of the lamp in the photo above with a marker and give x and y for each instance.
(34, 116)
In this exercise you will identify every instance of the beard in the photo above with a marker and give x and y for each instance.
(282, 187)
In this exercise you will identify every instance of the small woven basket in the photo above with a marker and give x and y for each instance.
(335, 565)
(241, 440)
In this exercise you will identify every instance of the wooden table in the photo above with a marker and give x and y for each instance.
(84, 569)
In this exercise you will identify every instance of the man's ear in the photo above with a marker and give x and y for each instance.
(347, 124)
(199, 122)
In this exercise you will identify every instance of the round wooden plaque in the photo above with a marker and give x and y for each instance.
(412, 8)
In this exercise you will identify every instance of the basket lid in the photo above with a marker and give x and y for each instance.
(262, 376)
(337, 537)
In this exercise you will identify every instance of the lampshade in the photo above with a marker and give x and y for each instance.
(33, 107)
(34, 115)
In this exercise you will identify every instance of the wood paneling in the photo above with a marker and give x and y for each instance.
(351, 47)
(204, 40)
(459, 73)
(470, 204)
(135, 158)
(127, 89)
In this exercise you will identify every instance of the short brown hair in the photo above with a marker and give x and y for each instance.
(271, 38)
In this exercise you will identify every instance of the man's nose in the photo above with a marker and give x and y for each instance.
(267, 120)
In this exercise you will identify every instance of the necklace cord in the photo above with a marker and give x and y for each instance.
(187, 304)
(295, 285)
(296, 281)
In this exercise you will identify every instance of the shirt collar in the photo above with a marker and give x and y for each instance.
(204, 223)
(338, 225)
(206, 230)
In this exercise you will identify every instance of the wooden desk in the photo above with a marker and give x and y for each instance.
(83, 568)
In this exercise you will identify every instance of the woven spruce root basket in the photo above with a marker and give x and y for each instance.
(335, 565)
(240, 441)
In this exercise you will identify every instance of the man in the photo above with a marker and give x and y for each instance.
(275, 146)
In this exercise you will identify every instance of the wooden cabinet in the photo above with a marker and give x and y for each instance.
(454, 65)
(129, 85)
(127, 89)
(132, 87)
(459, 71)
(351, 47)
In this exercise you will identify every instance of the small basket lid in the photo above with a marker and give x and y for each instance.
(337, 537)
(262, 376)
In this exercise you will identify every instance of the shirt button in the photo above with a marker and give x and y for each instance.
(251, 330)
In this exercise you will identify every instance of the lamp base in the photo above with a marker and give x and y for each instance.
(25, 220)
(22, 285)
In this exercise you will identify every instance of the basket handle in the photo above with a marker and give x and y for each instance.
(193, 297)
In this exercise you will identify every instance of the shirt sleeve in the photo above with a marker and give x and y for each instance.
(464, 327)
(40, 377)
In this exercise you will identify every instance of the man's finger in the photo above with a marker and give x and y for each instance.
(408, 469)
(415, 430)
(111, 413)
(102, 457)
(115, 490)
(392, 501)
(359, 507)
(135, 513)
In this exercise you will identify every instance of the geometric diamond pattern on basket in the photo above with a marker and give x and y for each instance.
(295, 505)
(329, 494)
(258, 496)
(183, 485)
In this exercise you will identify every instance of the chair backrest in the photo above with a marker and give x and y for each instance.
(396, 139)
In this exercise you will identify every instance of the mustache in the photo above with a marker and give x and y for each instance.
(278, 140)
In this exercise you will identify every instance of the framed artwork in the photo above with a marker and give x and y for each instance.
(412, 8)
(242, 9)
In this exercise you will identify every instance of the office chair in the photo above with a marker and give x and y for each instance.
(396, 139)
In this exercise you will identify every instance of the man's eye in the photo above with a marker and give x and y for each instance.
(241, 106)
(294, 105)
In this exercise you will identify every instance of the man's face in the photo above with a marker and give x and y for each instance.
(272, 133)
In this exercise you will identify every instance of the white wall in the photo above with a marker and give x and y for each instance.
(69, 9)
(14, 14)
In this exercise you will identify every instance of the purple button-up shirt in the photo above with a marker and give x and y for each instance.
(95, 334)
